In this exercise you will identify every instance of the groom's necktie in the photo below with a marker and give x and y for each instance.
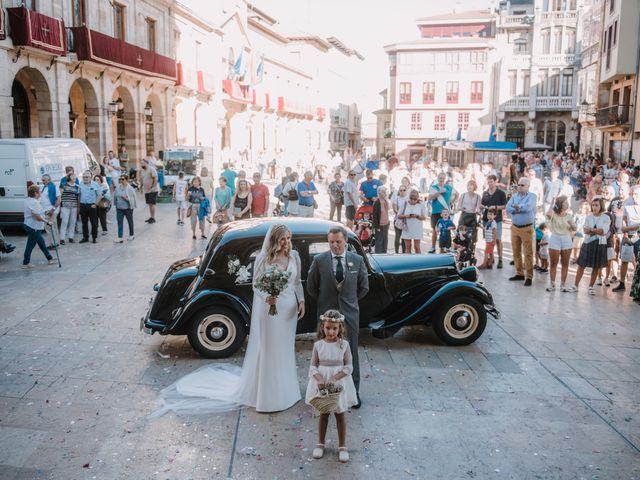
(339, 270)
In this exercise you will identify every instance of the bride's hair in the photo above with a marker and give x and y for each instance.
(277, 232)
(332, 316)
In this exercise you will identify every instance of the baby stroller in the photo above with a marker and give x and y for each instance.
(464, 246)
(363, 226)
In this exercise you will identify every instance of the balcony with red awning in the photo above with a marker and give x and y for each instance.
(237, 92)
(100, 48)
(321, 113)
(35, 30)
(206, 82)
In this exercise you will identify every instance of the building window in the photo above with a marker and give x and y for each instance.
(520, 46)
(567, 84)
(551, 133)
(463, 120)
(554, 84)
(545, 36)
(478, 61)
(405, 92)
(452, 92)
(440, 122)
(615, 33)
(611, 5)
(148, 129)
(570, 44)
(176, 44)
(513, 83)
(477, 90)
(30, 4)
(526, 84)
(387, 125)
(79, 13)
(151, 34)
(543, 80)
(453, 61)
(515, 133)
(428, 92)
(416, 121)
(557, 40)
(118, 21)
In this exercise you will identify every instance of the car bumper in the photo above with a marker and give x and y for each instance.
(493, 311)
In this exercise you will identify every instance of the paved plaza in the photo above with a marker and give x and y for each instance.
(550, 391)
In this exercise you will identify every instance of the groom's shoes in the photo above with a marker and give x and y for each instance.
(359, 404)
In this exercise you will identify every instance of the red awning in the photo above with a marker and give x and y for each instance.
(205, 82)
(32, 29)
(237, 92)
(100, 48)
(295, 107)
(320, 113)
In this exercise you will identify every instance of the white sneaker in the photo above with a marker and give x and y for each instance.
(131, 238)
(118, 240)
(28, 266)
(51, 262)
(318, 452)
(570, 289)
(592, 291)
(551, 287)
(105, 233)
(343, 454)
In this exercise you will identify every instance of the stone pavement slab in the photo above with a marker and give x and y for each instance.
(550, 391)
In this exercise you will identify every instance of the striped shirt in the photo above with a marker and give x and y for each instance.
(70, 194)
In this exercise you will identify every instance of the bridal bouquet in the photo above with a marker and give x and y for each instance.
(272, 282)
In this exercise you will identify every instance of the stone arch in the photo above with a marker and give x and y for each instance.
(124, 126)
(33, 86)
(84, 114)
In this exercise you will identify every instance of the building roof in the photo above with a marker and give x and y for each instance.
(343, 48)
(464, 16)
(441, 42)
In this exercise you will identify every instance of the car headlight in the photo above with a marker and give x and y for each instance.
(470, 274)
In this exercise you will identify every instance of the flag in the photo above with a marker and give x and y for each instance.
(239, 66)
(260, 70)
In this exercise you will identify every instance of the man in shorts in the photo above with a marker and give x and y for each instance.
(350, 198)
(149, 185)
(496, 198)
(440, 195)
(631, 238)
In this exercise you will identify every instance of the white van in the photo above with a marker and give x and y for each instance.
(23, 161)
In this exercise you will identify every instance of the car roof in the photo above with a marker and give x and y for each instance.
(258, 227)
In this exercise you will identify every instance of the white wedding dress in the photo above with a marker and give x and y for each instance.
(268, 380)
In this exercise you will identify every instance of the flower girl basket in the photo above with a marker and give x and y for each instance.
(326, 399)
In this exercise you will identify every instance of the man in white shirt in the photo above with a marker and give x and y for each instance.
(50, 202)
(535, 186)
(350, 198)
(552, 189)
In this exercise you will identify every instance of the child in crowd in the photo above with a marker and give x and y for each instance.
(331, 363)
(490, 234)
(180, 197)
(445, 225)
(542, 248)
(461, 240)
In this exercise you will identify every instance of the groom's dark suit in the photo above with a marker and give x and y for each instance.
(344, 296)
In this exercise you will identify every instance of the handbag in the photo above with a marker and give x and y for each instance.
(401, 223)
(293, 194)
(189, 211)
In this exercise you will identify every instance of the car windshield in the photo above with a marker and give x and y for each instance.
(176, 162)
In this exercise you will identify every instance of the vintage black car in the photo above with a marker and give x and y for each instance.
(201, 298)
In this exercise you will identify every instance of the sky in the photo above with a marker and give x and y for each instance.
(366, 26)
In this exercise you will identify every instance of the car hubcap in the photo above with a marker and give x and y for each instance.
(461, 321)
(216, 332)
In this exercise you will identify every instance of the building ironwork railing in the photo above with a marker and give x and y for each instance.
(613, 115)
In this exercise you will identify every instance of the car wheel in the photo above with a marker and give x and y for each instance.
(460, 321)
(216, 332)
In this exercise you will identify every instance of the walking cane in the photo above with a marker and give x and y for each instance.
(55, 244)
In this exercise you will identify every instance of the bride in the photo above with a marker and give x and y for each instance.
(268, 380)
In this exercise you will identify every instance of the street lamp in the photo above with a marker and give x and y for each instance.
(148, 111)
(113, 108)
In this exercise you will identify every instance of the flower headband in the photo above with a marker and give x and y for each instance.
(329, 318)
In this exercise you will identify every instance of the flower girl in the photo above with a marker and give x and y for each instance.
(330, 370)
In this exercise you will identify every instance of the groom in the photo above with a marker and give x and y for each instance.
(337, 280)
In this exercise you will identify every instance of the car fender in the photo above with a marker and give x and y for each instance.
(456, 288)
(203, 299)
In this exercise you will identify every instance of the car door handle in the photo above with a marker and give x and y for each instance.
(2, 192)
